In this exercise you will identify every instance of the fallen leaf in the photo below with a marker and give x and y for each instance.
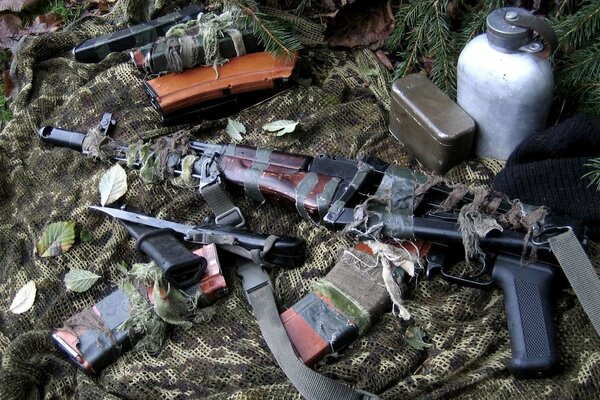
(24, 298)
(80, 280)
(382, 56)
(358, 25)
(453, 9)
(281, 127)
(7, 82)
(56, 239)
(16, 5)
(415, 337)
(44, 24)
(103, 5)
(113, 185)
(10, 24)
(235, 129)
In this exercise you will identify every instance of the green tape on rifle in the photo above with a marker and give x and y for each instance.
(303, 189)
(253, 174)
(324, 198)
(345, 304)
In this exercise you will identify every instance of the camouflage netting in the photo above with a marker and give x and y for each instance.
(342, 111)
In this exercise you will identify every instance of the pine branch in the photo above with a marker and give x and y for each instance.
(475, 18)
(303, 4)
(578, 78)
(594, 175)
(274, 34)
(577, 30)
(423, 32)
(443, 72)
(589, 101)
(580, 67)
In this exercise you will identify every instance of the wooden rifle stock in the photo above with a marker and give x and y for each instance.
(280, 177)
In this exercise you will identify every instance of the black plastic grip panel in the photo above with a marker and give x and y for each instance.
(178, 264)
(527, 291)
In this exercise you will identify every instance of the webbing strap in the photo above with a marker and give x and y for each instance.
(580, 272)
(226, 213)
(310, 384)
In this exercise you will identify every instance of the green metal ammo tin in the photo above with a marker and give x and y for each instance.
(429, 124)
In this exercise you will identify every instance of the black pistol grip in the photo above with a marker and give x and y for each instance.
(178, 264)
(527, 291)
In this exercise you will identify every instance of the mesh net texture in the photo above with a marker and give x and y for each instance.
(344, 110)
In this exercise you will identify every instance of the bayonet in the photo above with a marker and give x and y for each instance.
(280, 250)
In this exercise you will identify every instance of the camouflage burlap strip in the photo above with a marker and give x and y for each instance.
(225, 358)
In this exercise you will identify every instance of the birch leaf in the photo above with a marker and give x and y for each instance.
(235, 129)
(415, 337)
(281, 127)
(56, 239)
(24, 298)
(80, 280)
(113, 185)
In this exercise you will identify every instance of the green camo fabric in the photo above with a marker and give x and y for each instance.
(344, 111)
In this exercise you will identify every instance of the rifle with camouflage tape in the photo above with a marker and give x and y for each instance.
(95, 49)
(373, 199)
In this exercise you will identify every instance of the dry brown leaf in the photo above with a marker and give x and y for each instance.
(16, 5)
(44, 24)
(102, 5)
(454, 9)
(358, 25)
(10, 25)
(7, 82)
(382, 56)
(11, 32)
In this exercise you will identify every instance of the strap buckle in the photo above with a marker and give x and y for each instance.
(232, 211)
(253, 277)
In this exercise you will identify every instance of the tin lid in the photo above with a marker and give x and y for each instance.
(504, 35)
(433, 110)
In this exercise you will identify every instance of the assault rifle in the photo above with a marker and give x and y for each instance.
(96, 49)
(369, 197)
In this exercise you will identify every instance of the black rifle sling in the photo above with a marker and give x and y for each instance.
(310, 384)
